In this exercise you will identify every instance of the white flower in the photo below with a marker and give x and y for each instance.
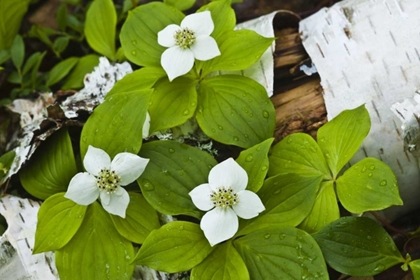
(186, 42)
(104, 179)
(226, 195)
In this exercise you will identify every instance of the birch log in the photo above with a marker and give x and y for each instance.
(368, 52)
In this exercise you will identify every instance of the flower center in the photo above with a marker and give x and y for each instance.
(184, 38)
(224, 197)
(108, 180)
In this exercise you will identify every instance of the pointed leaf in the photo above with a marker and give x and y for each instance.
(140, 219)
(281, 253)
(357, 246)
(116, 125)
(180, 4)
(224, 263)
(235, 110)
(84, 66)
(175, 247)
(17, 52)
(6, 160)
(369, 185)
(100, 26)
(172, 103)
(415, 268)
(139, 33)
(298, 153)
(255, 162)
(51, 167)
(325, 209)
(173, 171)
(287, 198)
(11, 14)
(96, 251)
(340, 138)
(223, 17)
(58, 220)
(60, 70)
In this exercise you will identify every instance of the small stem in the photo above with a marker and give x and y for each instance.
(388, 226)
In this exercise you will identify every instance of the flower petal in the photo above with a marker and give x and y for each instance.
(249, 205)
(205, 48)
(166, 35)
(201, 197)
(219, 225)
(177, 62)
(146, 126)
(228, 173)
(118, 204)
(105, 197)
(128, 166)
(200, 23)
(96, 159)
(82, 189)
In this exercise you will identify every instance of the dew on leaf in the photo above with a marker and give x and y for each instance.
(134, 53)
(379, 268)
(171, 150)
(220, 127)
(249, 158)
(265, 114)
(277, 192)
(370, 174)
(364, 169)
(251, 115)
(267, 236)
(264, 168)
(236, 139)
(372, 167)
(383, 183)
(289, 140)
(147, 185)
(134, 42)
(186, 112)
(282, 236)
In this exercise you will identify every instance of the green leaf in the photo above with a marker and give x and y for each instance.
(96, 251)
(51, 167)
(37, 59)
(369, 185)
(143, 78)
(83, 67)
(140, 219)
(6, 161)
(17, 52)
(4, 56)
(58, 221)
(116, 125)
(287, 198)
(139, 33)
(224, 263)
(172, 103)
(180, 4)
(325, 209)
(100, 26)
(239, 50)
(31, 62)
(357, 246)
(11, 14)
(173, 171)
(175, 247)
(281, 253)
(340, 138)
(60, 44)
(223, 17)
(255, 162)
(298, 153)
(415, 268)
(61, 17)
(235, 110)
(60, 70)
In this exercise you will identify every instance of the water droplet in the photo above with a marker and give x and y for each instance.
(372, 167)
(267, 236)
(247, 136)
(147, 185)
(171, 150)
(379, 268)
(370, 174)
(369, 237)
(289, 140)
(277, 192)
(265, 114)
(193, 104)
(181, 227)
(363, 169)
(134, 53)
(236, 139)
(167, 194)
(282, 236)
(312, 149)
(84, 139)
(327, 155)
(213, 130)
(243, 94)
(264, 168)
(200, 110)
(220, 127)
(186, 112)
(383, 183)
(134, 42)
(251, 115)
(249, 158)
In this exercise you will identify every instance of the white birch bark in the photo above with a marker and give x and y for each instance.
(368, 52)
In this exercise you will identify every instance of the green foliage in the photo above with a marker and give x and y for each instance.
(175, 247)
(224, 263)
(139, 33)
(357, 246)
(6, 161)
(11, 14)
(96, 251)
(18, 52)
(415, 268)
(51, 167)
(180, 4)
(140, 219)
(85, 65)
(58, 220)
(255, 162)
(223, 17)
(116, 125)
(281, 253)
(235, 110)
(288, 199)
(101, 21)
(60, 70)
(173, 171)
